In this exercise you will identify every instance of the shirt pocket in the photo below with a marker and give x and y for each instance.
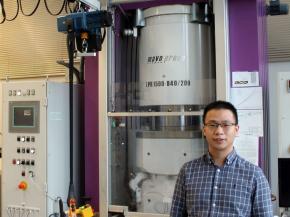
(237, 197)
(239, 194)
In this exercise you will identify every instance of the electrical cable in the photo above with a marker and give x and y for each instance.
(3, 11)
(20, 7)
(17, 12)
(59, 12)
(71, 49)
(71, 41)
(65, 8)
(33, 11)
(104, 36)
(68, 8)
(82, 70)
(76, 72)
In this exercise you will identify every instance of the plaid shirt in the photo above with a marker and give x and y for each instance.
(239, 188)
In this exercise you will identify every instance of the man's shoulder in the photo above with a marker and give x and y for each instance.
(247, 165)
(193, 163)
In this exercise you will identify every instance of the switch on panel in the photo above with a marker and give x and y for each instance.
(22, 185)
(32, 150)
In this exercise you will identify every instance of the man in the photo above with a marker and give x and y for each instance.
(221, 183)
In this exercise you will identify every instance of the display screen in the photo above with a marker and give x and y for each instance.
(284, 181)
(23, 116)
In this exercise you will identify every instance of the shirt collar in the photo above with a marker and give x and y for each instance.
(229, 159)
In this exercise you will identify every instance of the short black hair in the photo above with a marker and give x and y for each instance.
(219, 104)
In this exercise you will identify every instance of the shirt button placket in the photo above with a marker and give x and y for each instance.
(215, 188)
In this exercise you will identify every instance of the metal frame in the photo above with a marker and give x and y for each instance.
(103, 129)
(106, 61)
(153, 114)
(222, 49)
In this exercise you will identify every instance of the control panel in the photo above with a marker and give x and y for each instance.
(35, 148)
(25, 154)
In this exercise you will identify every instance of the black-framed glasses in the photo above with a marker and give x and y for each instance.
(225, 126)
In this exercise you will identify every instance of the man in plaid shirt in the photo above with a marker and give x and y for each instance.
(221, 183)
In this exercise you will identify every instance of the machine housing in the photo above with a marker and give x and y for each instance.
(36, 147)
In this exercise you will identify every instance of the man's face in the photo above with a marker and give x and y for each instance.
(220, 130)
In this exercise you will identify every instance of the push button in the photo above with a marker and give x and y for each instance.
(32, 150)
(22, 185)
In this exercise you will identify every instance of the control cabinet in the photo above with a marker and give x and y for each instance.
(35, 148)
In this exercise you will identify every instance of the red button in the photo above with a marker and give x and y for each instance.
(22, 185)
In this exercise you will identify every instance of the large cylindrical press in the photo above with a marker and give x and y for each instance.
(166, 69)
(176, 58)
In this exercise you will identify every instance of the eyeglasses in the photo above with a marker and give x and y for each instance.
(225, 126)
